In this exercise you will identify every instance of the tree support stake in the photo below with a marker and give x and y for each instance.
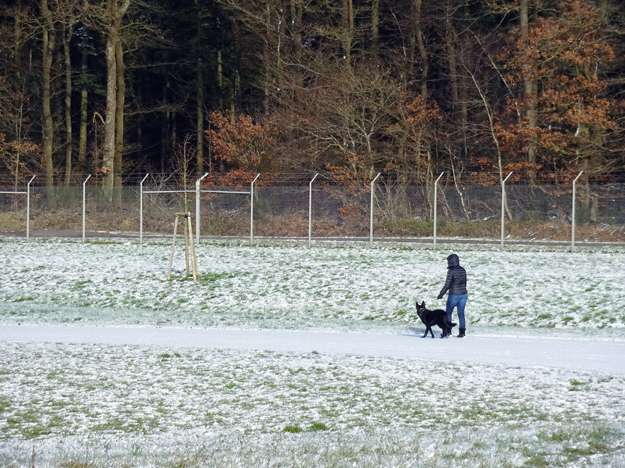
(189, 246)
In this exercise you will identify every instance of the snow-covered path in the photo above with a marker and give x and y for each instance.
(601, 355)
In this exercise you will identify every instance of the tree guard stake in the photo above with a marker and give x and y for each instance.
(189, 247)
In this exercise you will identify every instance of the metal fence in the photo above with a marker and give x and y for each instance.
(380, 210)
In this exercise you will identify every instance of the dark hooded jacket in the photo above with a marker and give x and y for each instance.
(456, 281)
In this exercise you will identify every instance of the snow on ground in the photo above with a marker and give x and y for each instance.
(62, 396)
(154, 402)
(604, 355)
(345, 287)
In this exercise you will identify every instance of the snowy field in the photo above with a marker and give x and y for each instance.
(101, 405)
(344, 287)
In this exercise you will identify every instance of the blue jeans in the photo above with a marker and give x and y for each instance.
(459, 301)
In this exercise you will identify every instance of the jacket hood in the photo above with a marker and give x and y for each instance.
(453, 261)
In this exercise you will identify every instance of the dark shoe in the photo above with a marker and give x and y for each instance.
(461, 334)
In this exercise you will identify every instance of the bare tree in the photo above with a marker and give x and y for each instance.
(68, 14)
(344, 111)
(375, 27)
(419, 39)
(110, 16)
(48, 51)
(529, 83)
(18, 102)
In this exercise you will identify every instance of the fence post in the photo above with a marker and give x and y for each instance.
(310, 209)
(141, 209)
(435, 207)
(573, 214)
(197, 209)
(371, 220)
(28, 208)
(84, 209)
(252, 209)
(503, 206)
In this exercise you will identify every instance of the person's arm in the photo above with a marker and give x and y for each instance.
(450, 277)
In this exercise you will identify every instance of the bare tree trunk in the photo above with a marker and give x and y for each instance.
(108, 158)
(450, 45)
(375, 27)
(199, 120)
(459, 188)
(423, 65)
(199, 98)
(173, 139)
(529, 85)
(84, 96)
(67, 35)
(454, 50)
(220, 74)
(17, 46)
(113, 142)
(422, 50)
(493, 134)
(17, 54)
(297, 11)
(347, 34)
(119, 121)
(274, 32)
(462, 88)
(220, 80)
(165, 129)
(48, 45)
(235, 103)
(295, 20)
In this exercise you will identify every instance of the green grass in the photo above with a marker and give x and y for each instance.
(293, 429)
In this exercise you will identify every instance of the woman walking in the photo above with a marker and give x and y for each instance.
(456, 284)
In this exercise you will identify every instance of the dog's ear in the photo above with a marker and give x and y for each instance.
(422, 304)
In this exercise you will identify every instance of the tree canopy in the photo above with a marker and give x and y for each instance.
(476, 88)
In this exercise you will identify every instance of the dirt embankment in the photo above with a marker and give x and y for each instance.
(65, 222)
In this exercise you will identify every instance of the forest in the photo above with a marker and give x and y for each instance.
(289, 88)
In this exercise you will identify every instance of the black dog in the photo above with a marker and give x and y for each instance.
(434, 317)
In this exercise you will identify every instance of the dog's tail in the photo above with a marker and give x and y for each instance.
(452, 325)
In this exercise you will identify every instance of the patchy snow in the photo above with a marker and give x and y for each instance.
(345, 287)
(286, 356)
(63, 397)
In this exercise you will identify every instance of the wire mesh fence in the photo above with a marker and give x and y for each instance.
(321, 210)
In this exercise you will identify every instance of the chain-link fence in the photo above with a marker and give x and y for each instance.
(321, 210)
